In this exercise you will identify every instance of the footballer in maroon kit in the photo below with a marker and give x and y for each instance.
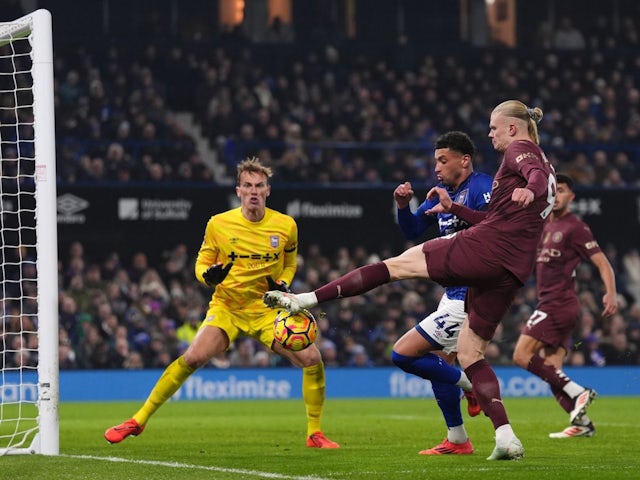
(493, 257)
(566, 241)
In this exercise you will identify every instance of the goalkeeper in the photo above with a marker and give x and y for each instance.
(246, 251)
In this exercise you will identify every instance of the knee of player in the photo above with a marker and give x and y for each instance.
(308, 357)
(521, 357)
(194, 361)
(400, 360)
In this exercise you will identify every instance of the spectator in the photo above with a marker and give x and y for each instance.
(618, 351)
(243, 354)
(568, 37)
(133, 362)
(359, 358)
(187, 331)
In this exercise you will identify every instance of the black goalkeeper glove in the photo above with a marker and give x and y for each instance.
(278, 285)
(216, 273)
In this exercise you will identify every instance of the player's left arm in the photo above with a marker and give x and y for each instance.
(532, 169)
(537, 183)
(290, 256)
(610, 298)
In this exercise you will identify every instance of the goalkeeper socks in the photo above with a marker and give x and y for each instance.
(313, 393)
(168, 384)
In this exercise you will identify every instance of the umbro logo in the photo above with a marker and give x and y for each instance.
(68, 204)
(70, 209)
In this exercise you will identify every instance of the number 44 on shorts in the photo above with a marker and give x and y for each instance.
(446, 324)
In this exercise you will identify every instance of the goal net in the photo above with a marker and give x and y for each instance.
(28, 245)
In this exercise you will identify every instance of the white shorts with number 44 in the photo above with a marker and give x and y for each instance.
(442, 326)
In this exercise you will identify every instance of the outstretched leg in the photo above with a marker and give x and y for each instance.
(410, 264)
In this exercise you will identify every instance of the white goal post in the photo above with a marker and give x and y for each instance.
(29, 378)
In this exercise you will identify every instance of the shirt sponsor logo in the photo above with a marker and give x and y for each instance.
(546, 253)
(524, 155)
(69, 208)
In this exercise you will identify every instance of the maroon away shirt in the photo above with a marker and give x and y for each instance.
(565, 242)
(511, 232)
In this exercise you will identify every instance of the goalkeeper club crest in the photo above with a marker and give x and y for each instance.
(275, 241)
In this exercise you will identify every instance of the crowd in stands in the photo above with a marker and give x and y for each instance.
(345, 114)
(113, 124)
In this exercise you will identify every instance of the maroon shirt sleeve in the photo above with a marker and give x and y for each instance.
(468, 215)
(537, 182)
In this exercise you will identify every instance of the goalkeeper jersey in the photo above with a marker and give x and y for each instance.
(256, 249)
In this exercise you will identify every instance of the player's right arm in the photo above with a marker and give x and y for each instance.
(208, 253)
(443, 204)
(412, 224)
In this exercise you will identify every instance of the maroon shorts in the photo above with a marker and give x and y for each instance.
(554, 324)
(453, 261)
(492, 288)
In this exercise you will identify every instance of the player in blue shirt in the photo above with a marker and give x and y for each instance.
(438, 332)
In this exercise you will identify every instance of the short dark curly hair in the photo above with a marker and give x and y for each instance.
(456, 141)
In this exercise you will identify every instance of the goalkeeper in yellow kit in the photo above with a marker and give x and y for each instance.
(245, 252)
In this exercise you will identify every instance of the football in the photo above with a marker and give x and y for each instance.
(295, 331)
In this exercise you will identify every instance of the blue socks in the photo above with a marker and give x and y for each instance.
(430, 367)
(443, 379)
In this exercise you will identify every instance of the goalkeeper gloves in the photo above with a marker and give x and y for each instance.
(278, 285)
(216, 273)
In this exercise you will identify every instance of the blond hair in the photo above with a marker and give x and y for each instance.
(253, 164)
(517, 109)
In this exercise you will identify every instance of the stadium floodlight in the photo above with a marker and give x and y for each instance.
(29, 378)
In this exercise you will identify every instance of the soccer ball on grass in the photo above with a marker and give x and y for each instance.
(295, 331)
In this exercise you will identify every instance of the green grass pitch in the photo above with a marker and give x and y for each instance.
(380, 439)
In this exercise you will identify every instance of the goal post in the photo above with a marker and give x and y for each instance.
(29, 382)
